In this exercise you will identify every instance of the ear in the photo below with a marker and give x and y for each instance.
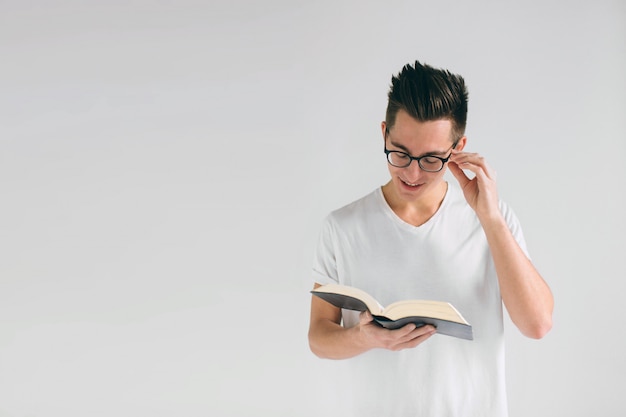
(383, 128)
(461, 144)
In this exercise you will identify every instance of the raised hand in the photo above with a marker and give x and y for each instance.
(480, 192)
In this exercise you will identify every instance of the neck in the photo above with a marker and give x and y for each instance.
(419, 211)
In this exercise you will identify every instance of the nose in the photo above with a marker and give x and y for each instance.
(413, 171)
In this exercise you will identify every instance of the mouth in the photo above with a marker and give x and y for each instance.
(409, 184)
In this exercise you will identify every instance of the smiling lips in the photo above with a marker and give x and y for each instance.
(408, 183)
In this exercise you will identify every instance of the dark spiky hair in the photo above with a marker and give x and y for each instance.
(426, 94)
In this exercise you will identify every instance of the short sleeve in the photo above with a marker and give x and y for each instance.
(325, 260)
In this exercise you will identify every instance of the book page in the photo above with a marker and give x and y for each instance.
(423, 308)
(372, 304)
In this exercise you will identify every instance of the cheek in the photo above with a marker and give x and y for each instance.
(393, 171)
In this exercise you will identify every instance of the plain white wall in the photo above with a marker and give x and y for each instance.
(165, 166)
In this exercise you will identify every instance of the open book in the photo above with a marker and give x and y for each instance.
(440, 314)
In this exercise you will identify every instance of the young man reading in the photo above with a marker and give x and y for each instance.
(420, 237)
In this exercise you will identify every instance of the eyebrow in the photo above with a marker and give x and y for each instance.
(406, 150)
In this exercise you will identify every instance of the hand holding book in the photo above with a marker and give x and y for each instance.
(441, 315)
(405, 337)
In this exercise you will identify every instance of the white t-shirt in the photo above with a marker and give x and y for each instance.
(366, 245)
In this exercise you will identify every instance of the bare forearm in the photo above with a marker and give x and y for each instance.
(330, 340)
(526, 295)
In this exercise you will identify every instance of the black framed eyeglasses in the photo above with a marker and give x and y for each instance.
(428, 163)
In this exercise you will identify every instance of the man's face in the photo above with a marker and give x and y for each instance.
(418, 139)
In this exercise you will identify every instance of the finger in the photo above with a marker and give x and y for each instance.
(414, 332)
(473, 162)
(418, 340)
(411, 343)
(424, 330)
(485, 178)
(458, 174)
(478, 171)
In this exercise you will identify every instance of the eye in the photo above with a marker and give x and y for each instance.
(430, 161)
(399, 159)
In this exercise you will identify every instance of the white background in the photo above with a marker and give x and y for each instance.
(165, 167)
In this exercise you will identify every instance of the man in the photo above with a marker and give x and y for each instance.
(420, 237)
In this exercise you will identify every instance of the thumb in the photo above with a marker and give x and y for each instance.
(365, 317)
(458, 173)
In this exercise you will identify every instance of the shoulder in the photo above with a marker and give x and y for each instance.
(357, 207)
(355, 215)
